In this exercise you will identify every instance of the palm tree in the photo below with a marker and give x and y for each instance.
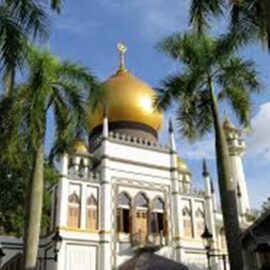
(21, 21)
(249, 19)
(58, 87)
(211, 73)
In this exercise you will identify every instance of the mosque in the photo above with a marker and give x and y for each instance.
(124, 191)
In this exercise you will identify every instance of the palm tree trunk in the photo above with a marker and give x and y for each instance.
(34, 210)
(227, 190)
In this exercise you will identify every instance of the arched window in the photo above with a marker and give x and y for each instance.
(70, 163)
(123, 213)
(81, 168)
(157, 222)
(73, 210)
(222, 239)
(141, 216)
(187, 223)
(200, 224)
(92, 213)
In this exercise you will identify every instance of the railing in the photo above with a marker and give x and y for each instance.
(193, 192)
(121, 137)
(85, 173)
(141, 239)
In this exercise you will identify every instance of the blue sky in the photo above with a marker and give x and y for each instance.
(87, 32)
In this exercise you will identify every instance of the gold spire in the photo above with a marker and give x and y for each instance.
(122, 50)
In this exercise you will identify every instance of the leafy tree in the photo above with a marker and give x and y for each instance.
(249, 19)
(14, 178)
(211, 73)
(61, 88)
(21, 21)
(266, 205)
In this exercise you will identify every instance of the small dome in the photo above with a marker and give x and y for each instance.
(128, 99)
(79, 147)
(181, 164)
(228, 125)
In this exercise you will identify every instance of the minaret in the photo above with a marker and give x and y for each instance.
(106, 200)
(210, 211)
(237, 147)
(176, 208)
(105, 127)
(209, 201)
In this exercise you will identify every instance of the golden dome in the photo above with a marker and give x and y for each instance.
(79, 146)
(127, 99)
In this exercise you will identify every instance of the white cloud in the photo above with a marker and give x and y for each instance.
(76, 27)
(155, 18)
(198, 150)
(259, 141)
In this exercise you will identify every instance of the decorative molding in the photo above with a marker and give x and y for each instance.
(136, 163)
(71, 229)
(140, 185)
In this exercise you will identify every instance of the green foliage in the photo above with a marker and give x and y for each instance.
(204, 64)
(249, 19)
(21, 22)
(201, 13)
(51, 85)
(14, 179)
(211, 73)
(62, 87)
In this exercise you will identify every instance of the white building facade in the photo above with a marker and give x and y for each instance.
(124, 190)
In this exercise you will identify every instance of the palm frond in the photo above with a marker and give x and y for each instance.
(241, 74)
(31, 15)
(12, 40)
(56, 5)
(239, 80)
(250, 21)
(189, 48)
(241, 104)
(201, 13)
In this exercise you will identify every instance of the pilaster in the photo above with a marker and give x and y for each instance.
(209, 211)
(176, 202)
(105, 262)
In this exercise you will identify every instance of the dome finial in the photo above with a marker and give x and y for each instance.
(122, 50)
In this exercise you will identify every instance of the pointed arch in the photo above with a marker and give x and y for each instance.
(158, 217)
(124, 199)
(124, 219)
(92, 212)
(186, 212)
(158, 204)
(142, 216)
(91, 200)
(187, 223)
(74, 204)
(199, 213)
(141, 200)
(200, 222)
(73, 198)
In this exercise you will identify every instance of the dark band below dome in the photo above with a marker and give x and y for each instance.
(128, 128)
